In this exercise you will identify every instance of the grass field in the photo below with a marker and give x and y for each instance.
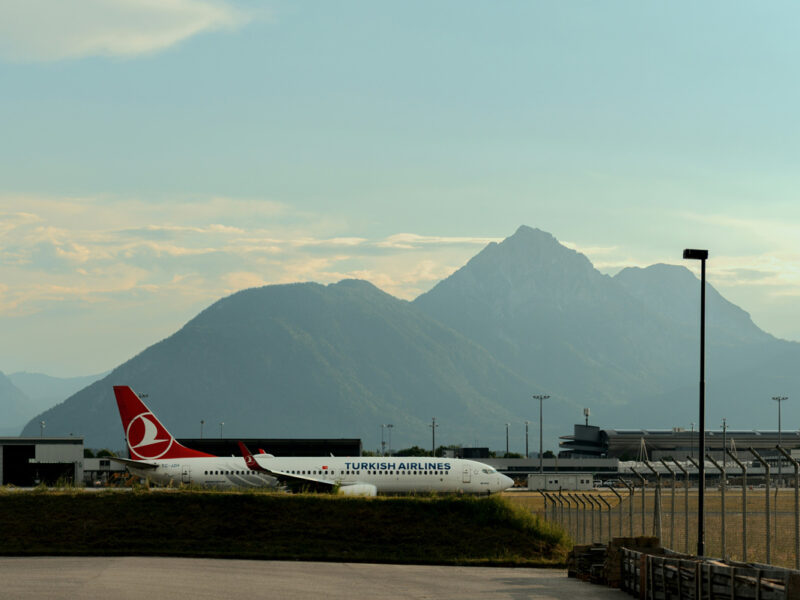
(674, 531)
(424, 530)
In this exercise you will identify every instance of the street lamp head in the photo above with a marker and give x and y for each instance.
(695, 254)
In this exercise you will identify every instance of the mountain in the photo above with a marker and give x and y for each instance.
(745, 366)
(673, 292)
(307, 360)
(15, 407)
(524, 316)
(627, 346)
(548, 314)
(45, 391)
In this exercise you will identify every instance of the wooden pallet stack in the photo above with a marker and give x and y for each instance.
(587, 563)
(613, 565)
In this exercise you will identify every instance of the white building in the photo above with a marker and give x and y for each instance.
(552, 482)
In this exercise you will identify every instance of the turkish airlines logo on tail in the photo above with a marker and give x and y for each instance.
(147, 439)
(251, 462)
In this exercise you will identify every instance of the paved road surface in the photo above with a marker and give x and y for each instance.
(145, 578)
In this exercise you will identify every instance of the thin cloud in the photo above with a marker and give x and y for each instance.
(49, 30)
(409, 241)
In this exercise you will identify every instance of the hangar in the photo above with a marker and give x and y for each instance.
(28, 462)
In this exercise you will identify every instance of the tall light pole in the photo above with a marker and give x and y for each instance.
(383, 444)
(779, 399)
(724, 453)
(701, 255)
(433, 427)
(41, 429)
(507, 426)
(221, 423)
(202, 422)
(526, 439)
(540, 398)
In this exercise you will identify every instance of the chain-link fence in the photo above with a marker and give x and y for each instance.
(746, 519)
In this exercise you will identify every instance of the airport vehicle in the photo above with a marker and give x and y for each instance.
(156, 454)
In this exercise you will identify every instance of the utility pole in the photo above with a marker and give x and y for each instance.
(540, 398)
(507, 426)
(526, 439)
(202, 422)
(221, 423)
(433, 427)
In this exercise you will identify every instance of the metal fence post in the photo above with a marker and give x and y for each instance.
(685, 506)
(577, 517)
(596, 501)
(671, 507)
(583, 517)
(554, 504)
(619, 509)
(544, 515)
(560, 509)
(744, 503)
(656, 503)
(631, 492)
(551, 498)
(643, 481)
(590, 500)
(609, 520)
(569, 513)
(721, 469)
(766, 468)
(796, 466)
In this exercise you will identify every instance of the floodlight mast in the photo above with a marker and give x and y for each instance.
(540, 398)
(701, 255)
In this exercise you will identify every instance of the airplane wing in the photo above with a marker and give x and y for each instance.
(136, 464)
(294, 480)
(289, 478)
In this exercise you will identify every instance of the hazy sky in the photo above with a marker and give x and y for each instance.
(158, 155)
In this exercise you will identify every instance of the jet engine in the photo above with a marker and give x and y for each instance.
(359, 489)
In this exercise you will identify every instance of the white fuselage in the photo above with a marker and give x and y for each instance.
(388, 474)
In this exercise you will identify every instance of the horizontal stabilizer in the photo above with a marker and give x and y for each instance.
(138, 464)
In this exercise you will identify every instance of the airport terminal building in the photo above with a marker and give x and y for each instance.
(630, 444)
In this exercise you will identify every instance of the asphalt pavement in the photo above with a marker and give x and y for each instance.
(124, 578)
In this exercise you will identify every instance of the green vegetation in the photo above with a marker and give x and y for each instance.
(423, 530)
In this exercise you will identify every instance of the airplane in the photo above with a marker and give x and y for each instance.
(157, 455)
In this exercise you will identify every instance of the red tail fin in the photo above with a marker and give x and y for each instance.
(249, 460)
(147, 438)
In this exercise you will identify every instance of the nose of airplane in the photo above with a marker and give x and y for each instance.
(506, 482)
